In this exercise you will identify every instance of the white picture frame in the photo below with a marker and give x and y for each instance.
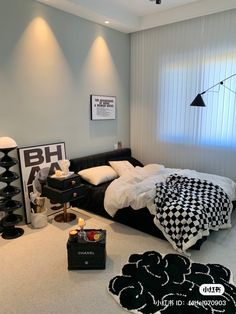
(32, 161)
(103, 107)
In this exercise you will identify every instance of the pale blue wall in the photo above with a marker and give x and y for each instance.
(50, 63)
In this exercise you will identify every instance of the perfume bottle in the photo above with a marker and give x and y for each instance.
(82, 233)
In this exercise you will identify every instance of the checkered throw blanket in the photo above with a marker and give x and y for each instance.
(187, 208)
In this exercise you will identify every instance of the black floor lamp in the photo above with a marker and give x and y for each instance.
(198, 100)
(7, 204)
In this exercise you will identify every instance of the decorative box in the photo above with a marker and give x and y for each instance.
(64, 183)
(84, 254)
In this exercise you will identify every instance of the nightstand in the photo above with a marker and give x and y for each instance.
(63, 191)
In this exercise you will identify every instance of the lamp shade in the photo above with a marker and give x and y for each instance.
(7, 142)
(198, 101)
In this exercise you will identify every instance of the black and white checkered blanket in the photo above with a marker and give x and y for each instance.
(187, 208)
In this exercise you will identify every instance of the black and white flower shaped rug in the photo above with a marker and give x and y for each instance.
(170, 284)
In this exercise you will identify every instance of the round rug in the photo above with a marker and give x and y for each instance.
(168, 284)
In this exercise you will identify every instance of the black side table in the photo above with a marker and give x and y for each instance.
(63, 191)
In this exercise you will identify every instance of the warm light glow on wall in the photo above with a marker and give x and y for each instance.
(38, 62)
(41, 31)
(99, 64)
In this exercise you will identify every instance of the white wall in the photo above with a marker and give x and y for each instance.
(50, 63)
(170, 65)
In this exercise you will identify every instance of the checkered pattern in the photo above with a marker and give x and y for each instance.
(187, 207)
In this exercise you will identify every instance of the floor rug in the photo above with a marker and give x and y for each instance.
(167, 284)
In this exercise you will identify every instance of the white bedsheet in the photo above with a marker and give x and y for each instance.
(137, 187)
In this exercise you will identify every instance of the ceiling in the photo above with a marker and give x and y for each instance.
(134, 15)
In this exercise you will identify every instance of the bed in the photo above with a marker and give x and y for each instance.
(141, 219)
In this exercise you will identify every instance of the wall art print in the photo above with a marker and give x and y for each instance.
(36, 164)
(103, 107)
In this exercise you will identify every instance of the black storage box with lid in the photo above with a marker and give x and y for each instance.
(62, 183)
(83, 254)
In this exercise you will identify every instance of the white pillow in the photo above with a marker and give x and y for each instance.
(153, 168)
(121, 167)
(97, 175)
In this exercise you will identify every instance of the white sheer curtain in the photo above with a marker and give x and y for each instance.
(170, 65)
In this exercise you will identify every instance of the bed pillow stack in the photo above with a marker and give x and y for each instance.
(102, 174)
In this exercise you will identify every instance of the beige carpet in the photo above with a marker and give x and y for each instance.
(33, 268)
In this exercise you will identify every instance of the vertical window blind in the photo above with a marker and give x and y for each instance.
(170, 65)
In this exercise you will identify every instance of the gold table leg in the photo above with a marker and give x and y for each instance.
(64, 217)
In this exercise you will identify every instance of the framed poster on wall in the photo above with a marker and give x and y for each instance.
(36, 164)
(103, 107)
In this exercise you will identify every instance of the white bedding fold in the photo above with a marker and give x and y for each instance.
(137, 187)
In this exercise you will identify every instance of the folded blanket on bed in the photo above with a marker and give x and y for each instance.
(188, 208)
(137, 188)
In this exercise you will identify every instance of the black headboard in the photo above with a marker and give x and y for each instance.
(77, 164)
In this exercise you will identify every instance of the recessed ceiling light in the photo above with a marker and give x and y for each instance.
(107, 22)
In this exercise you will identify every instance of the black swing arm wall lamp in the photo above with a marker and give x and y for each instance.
(157, 1)
(198, 100)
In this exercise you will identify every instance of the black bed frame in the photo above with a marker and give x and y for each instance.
(139, 219)
(80, 163)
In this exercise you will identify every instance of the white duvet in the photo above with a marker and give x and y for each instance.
(137, 187)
